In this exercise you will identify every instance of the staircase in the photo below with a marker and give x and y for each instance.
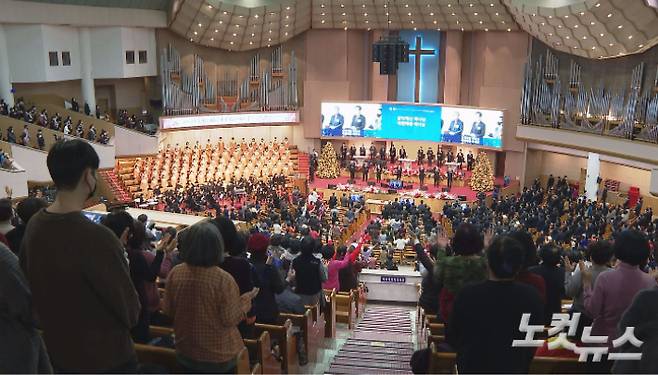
(381, 343)
(116, 186)
(303, 163)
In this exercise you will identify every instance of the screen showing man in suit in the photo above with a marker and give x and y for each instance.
(414, 122)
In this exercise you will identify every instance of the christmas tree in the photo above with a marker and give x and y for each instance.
(482, 178)
(328, 163)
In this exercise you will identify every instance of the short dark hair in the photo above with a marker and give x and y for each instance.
(550, 255)
(467, 240)
(632, 247)
(528, 245)
(143, 218)
(28, 207)
(201, 245)
(308, 245)
(67, 161)
(136, 241)
(6, 209)
(600, 252)
(229, 234)
(117, 221)
(505, 257)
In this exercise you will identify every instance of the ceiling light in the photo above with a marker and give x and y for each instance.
(406, 5)
(345, 28)
(368, 29)
(287, 8)
(568, 37)
(550, 34)
(212, 38)
(225, 12)
(620, 26)
(584, 37)
(287, 25)
(321, 5)
(462, 29)
(322, 21)
(287, 16)
(630, 37)
(601, 34)
(195, 33)
(231, 42)
(593, 47)
(200, 25)
(575, 26)
(415, 28)
(592, 23)
(496, 13)
(268, 46)
(221, 22)
(234, 34)
(566, 16)
(640, 46)
(597, 5)
(343, 14)
(475, 14)
(452, 14)
(575, 47)
(342, 5)
(480, 22)
(412, 22)
(432, 13)
(365, 14)
(503, 22)
(549, 17)
(609, 15)
(486, 29)
(470, 5)
(611, 44)
(255, 15)
(270, 31)
(533, 14)
(409, 14)
(363, 5)
(508, 30)
(216, 30)
(191, 40)
(253, 35)
(209, 6)
(491, 5)
(237, 26)
(559, 26)
(269, 39)
(286, 34)
(449, 5)
(366, 21)
(543, 23)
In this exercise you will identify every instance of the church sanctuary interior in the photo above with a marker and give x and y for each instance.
(329, 186)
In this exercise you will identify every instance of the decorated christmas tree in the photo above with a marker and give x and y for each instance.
(482, 178)
(328, 163)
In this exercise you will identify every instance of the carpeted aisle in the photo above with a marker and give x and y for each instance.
(381, 343)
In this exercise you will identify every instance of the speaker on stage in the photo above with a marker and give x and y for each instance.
(462, 198)
(392, 191)
(410, 186)
(424, 188)
(371, 183)
(383, 184)
(331, 186)
(350, 181)
(445, 190)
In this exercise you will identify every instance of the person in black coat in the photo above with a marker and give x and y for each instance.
(554, 279)
(398, 172)
(266, 278)
(378, 172)
(352, 169)
(392, 153)
(365, 169)
(437, 176)
(421, 175)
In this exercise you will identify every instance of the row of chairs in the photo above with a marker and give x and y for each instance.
(432, 331)
(314, 325)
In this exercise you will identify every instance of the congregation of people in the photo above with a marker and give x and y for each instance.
(56, 122)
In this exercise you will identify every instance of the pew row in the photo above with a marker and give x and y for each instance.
(345, 309)
(287, 344)
(166, 358)
(260, 349)
(330, 313)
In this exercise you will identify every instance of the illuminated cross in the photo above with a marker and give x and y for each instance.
(418, 52)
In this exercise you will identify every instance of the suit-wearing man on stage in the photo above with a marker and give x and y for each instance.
(362, 150)
(343, 154)
(392, 152)
(352, 151)
(378, 172)
(437, 176)
(403, 153)
(440, 157)
(450, 176)
(352, 169)
(421, 156)
(455, 130)
(470, 160)
(373, 150)
(364, 169)
(382, 153)
(479, 128)
(430, 156)
(460, 158)
(336, 124)
(421, 175)
(451, 157)
(398, 172)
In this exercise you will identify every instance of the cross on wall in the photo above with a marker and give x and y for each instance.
(419, 52)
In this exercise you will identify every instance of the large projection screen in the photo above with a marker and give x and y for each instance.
(413, 122)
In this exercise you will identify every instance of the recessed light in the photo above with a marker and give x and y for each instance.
(475, 14)
(550, 34)
(582, 13)
(287, 25)
(237, 26)
(630, 37)
(322, 14)
(365, 14)
(255, 15)
(620, 26)
(432, 13)
(342, 5)
(462, 29)
(268, 46)
(503, 22)
(575, 26)
(343, 14)
(559, 26)
(250, 43)
(412, 22)
(286, 34)
(269, 39)
(449, 5)
(566, 16)
(549, 17)
(212, 38)
(592, 23)
(491, 5)
(470, 5)
(209, 6)
(195, 33)
(321, 5)
(486, 29)
(253, 35)
(231, 42)
(287, 16)
(533, 14)
(345, 28)
(363, 5)
(640, 46)
(406, 5)
(270, 31)
(584, 37)
(191, 40)
(415, 28)
(609, 15)
(225, 12)
(216, 30)
(597, 5)
(200, 25)
(496, 13)
(543, 23)
(435, 22)
(508, 30)
(601, 34)
(409, 14)
(366, 21)
(480, 22)
(221, 22)
(611, 44)
(322, 21)
(234, 34)
(575, 47)
(568, 37)
(593, 47)
(287, 8)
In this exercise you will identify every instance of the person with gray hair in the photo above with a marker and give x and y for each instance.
(205, 304)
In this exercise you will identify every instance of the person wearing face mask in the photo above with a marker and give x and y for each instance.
(78, 274)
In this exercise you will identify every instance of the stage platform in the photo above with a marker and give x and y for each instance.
(392, 286)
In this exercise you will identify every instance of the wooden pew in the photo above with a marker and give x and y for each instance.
(436, 339)
(318, 328)
(442, 363)
(307, 326)
(557, 365)
(287, 344)
(261, 350)
(330, 313)
(159, 331)
(243, 366)
(156, 355)
(436, 329)
(345, 309)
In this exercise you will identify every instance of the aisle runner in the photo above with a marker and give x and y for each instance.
(381, 343)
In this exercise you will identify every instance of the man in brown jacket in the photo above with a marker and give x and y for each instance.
(82, 293)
